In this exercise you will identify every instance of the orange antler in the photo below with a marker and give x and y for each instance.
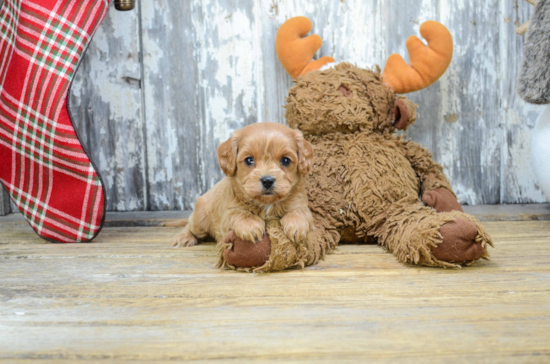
(428, 63)
(296, 53)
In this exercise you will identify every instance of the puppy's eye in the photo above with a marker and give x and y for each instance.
(249, 161)
(285, 162)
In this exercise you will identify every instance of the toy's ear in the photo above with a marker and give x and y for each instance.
(428, 63)
(227, 156)
(296, 53)
(305, 154)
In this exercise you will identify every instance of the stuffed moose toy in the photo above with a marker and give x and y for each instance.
(367, 184)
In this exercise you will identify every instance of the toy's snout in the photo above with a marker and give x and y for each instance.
(405, 114)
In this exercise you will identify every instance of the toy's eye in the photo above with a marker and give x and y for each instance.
(285, 162)
(249, 161)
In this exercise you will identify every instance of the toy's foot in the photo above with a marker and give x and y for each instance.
(459, 242)
(246, 254)
(442, 200)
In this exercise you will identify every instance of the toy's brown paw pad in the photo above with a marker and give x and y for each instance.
(442, 200)
(460, 242)
(246, 254)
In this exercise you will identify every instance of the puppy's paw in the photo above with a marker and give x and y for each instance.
(251, 229)
(295, 227)
(184, 239)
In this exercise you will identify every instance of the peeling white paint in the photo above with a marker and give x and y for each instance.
(238, 80)
(466, 195)
(228, 52)
(172, 149)
(106, 93)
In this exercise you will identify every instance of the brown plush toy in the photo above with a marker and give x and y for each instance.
(367, 184)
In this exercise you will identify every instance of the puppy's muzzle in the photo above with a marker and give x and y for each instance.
(267, 182)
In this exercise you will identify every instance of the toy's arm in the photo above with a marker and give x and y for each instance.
(429, 173)
(435, 189)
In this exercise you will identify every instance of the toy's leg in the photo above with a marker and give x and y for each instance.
(275, 251)
(418, 234)
(246, 254)
(441, 200)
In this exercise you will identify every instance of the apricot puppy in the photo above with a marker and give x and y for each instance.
(265, 166)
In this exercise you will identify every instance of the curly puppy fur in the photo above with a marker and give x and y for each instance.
(366, 182)
(534, 78)
(243, 200)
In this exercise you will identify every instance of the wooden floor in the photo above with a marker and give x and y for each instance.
(130, 297)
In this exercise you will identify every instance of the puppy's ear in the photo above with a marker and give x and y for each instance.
(227, 156)
(305, 154)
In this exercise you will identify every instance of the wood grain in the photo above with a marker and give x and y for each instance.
(172, 107)
(516, 212)
(162, 86)
(457, 116)
(471, 119)
(106, 104)
(129, 296)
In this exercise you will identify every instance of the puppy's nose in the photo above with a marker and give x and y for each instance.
(267, 181)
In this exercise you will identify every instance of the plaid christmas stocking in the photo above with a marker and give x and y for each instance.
(43, 166)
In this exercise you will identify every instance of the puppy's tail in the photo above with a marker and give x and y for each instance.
(177, 223)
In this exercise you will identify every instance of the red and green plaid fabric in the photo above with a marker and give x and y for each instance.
(43, 166)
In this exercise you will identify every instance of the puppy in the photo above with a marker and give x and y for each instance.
(265, 166)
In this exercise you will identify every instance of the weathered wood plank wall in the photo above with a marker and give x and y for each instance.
(107, 105)
(162, 86)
